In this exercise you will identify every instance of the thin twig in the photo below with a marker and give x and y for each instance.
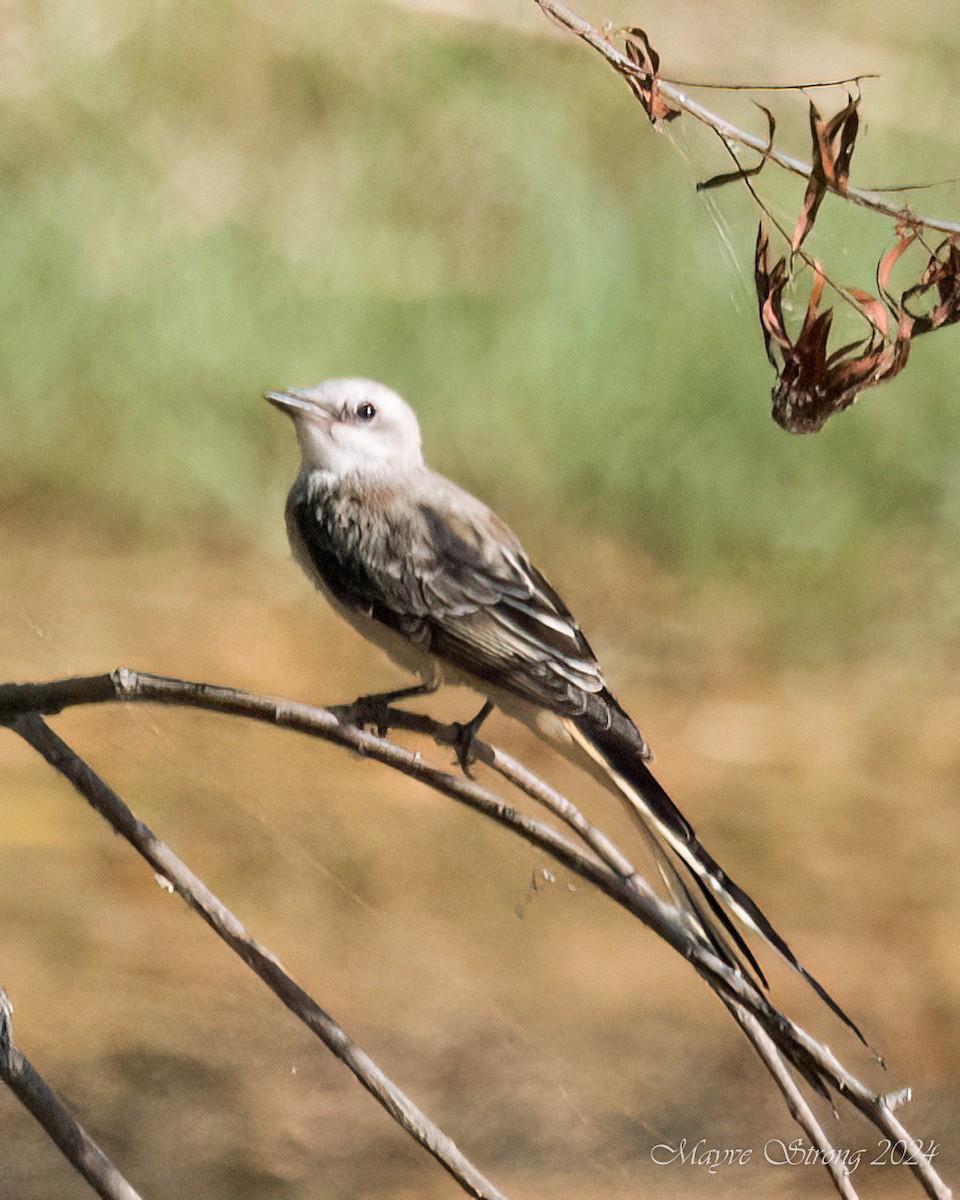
(800, 1110)
(198, 896)
(60, 1125)
(623, 66)
(514, 772)
(773, 87)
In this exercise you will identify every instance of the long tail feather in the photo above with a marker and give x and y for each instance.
(684, 899)
(624, 761)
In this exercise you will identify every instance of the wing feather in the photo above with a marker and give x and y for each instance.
(437, 565)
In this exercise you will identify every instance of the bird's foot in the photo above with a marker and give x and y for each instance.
(374, 710)
(465, 737)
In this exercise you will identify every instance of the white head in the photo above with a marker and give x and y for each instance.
(348, 425)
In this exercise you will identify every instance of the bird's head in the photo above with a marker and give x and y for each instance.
(352, 425)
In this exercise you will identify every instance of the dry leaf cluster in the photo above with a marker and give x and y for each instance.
(643, 80)
(814, 381)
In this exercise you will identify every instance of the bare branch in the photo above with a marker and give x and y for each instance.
(39, 1099)
(675, 94)
(778, 1040)
(800, 1110)
(515, 773)
(663, 918)
(221, 920)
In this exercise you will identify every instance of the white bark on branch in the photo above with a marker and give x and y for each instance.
(778, 1040)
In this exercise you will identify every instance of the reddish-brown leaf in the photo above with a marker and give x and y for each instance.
(873, 309)
(637, 42)
(643, 78)
(833, 144)
(891, 258)
(813, 383)
(942, 273)
(836, 142)
(770, 284)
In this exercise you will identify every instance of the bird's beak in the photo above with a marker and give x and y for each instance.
(296, 402)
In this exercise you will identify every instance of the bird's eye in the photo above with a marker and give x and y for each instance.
(366, 411)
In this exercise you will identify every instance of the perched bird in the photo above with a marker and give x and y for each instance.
(427, 571)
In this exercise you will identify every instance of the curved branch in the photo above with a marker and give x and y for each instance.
(623, 66)
(32, 728)
(630, 891)
(42, 1102)
(775, 1037)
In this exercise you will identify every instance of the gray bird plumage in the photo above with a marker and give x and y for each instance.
(415, 553)
(429, 573)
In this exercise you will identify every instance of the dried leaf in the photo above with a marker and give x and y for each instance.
(770, 283)
(812, 383)
(943, 273)
(643, 80)
(873, 309)
(744, 172)
(651, 58)
(890, 259)
(833, 144)
(838, 139)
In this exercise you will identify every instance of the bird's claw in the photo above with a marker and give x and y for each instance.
(465, 737)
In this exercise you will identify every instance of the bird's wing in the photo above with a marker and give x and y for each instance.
(440, 568)
(491, 612)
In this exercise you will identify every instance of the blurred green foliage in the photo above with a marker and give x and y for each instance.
(203, 201)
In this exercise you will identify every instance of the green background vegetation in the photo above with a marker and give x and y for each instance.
(201, 201)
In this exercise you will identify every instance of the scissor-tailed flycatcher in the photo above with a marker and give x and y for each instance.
(430, 574)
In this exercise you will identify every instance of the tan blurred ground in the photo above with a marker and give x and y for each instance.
(556, 1042)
